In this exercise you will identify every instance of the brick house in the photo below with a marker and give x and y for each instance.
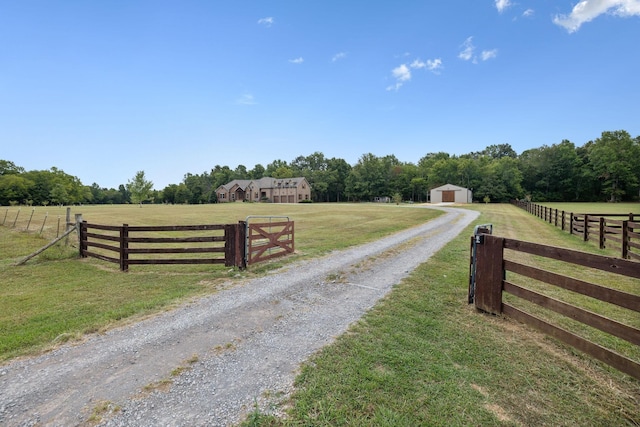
(274, 190)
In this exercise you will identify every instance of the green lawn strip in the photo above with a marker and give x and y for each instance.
(50, 302)
(423, 356)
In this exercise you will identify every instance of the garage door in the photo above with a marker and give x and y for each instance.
(448, 196)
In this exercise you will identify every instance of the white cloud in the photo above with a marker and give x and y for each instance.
(528, 13)
(267, 22)
(418, 64)
(299, 60)
(588, 10)
(246, 99)
(501, 5)
(467, 49)
(402, 74)
(339, 56)
(433, 65)
(489, 54)
(468, 52)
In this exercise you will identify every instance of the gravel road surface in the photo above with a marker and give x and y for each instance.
(209, 362)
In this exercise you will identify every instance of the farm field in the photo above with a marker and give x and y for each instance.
(57, 297)
(421, 357)
(597, 208)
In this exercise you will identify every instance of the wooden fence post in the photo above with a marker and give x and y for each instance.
(489, 273)
(571, 223)
(83, 239)
(241, 246)
(625, 239)
(585, 232)
(602, 225)
(79, 231)
(563, 221)
(124, 247)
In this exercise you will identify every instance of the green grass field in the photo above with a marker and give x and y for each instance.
(422, 356)
(596, 208)
(56, 296)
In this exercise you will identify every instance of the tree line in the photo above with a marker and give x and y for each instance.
(605, 169)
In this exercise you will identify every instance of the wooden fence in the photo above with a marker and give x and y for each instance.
(491, 281)
(185, 244)
(609, 230)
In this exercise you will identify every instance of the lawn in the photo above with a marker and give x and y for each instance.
(57, 297)
(422, 356)
(596, 208)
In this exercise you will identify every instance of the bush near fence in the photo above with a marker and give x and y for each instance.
(609, 230)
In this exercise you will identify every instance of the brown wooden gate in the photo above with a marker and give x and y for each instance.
(269, 240)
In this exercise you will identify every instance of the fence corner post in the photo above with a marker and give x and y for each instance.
(489, 273)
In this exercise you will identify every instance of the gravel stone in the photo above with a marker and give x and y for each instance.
(241, 347)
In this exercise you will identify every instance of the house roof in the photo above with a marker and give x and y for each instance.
(448, 187)
(265, 182)
(242, 183)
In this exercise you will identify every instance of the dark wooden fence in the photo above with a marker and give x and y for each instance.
(492, 280)
(186, 244)
(607, 229)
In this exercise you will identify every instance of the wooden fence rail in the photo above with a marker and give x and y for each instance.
(234, 245)
(491, 281)
(610, 232)
(195, 244)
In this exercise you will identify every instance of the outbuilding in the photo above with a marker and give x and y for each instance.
(450, 193)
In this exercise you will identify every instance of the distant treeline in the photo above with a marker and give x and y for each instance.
(605, 169)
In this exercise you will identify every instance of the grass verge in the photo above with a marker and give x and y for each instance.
(422, 356)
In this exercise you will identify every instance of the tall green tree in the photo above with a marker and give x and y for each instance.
(615, 159)
(14, 188)
(139, 188)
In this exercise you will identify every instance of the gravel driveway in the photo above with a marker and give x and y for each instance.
(239, 348)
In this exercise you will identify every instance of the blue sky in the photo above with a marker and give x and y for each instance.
(103, 89)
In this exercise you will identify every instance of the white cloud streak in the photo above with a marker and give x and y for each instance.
(468, 52)
(299, 60)
(246, 99)
(528, 13)
(402, 73)
(267, 22)
(339, 56)
(488, 54)
(467, 49)
(588, 10)
(501, 5)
